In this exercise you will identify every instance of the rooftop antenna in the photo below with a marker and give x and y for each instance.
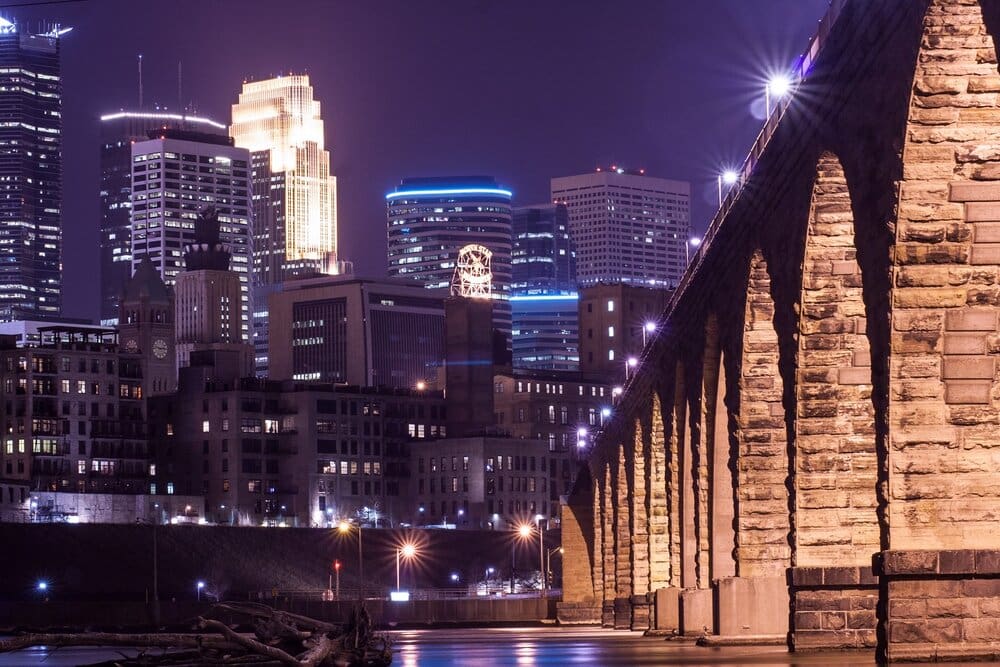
(180, 97)
(140, 81)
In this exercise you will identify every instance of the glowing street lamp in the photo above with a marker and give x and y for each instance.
(42, 586)
(647, 328)
(198, 587)
(692, 242)
(421, 385)
(581, 437)
(406, 551)
(605, 414)
(631, 362)
(344, 528)
(728, 178)
(776, 87)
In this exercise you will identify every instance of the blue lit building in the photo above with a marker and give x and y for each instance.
(431, 219)
(543, 292)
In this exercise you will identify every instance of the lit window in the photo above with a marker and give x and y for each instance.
(205, 426)
(611, 305)
(170, 488)
(611, 355)
(611, 332)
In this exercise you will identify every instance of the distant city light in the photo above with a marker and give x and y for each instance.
(421, 385)
(151, 115)
(43, 586)
(605, 412)
(454, 576)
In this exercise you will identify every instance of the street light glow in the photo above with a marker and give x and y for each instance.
(524, 530)
(421, 385)
(408, 550)
(729, 176)
(633, 362)
(695, 241)
(344, 527)
(43, 586)
(605, 412)
(617, 391)
(582, 432)
(650, 327)
(779, 85)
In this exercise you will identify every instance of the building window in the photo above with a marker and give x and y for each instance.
(465, 463)
(205, 427)
(611, 305)
(611, 331)
(170, 488)
(611, 355)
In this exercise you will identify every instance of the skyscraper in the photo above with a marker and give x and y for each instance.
(627, 227)
(295, 195)
(543, 293)
(174, 176)
(30, 172)
(431, 219)
(118, 131)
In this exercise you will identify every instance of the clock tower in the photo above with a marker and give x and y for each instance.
(146, 328)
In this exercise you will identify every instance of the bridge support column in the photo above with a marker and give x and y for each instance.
(608, 614)
(833, 608)
(641, 612)
(752, 606)
(666, 611)
(943, 605)
(623, 613)
(696, 617)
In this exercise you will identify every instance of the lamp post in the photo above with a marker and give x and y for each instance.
(692, 242)
(727, 177)
(200, 585)
(541, 551)
(777, 86)
(406, 551)
(344, 527)
(647, 328)
(631, 362)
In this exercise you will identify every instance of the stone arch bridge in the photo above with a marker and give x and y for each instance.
(809, 450)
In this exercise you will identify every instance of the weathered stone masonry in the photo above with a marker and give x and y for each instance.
(811, 446)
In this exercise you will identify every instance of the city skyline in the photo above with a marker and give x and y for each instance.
(377, 143)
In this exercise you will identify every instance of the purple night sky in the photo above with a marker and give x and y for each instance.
(520, 89)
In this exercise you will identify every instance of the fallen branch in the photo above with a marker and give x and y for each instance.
(157, 640)
(249, 644)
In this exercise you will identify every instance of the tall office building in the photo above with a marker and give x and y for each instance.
(627, 227)
(295, 195)
(119, 131)
(431, 219)
(30, 172)
(175, 175)
(543, 293)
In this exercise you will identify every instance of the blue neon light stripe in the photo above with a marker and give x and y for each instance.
(450, 191)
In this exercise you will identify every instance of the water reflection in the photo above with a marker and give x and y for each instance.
(525, 652)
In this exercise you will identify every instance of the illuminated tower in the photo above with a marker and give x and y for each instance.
(295, 196)
(31, 168)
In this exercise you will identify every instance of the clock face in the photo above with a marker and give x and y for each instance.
(131, 345)
(160, 348)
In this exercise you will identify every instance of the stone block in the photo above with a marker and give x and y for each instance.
(982, 212)
(854, 376)
(752, 606)
(964, 343)
(987, 561)
(961, 561)
(696, 617)
(909, 562)
(968, 368)
(967, 191)
(987, 232)
(967, 392)
(623, 614)
(667, 609)
(970, 320)
(985, 253)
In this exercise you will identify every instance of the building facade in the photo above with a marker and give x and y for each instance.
(295, 194)
(626, 226)
(431, 219)
(118, 131)
(309, 454)
(545, 331)
(176, 175)
(73, 412)
(562, 409)
(30, 172)
(616, 323)
(342, 329)
(488, 482)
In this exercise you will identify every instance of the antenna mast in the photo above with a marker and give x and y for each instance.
(180, 96)
(140, 81)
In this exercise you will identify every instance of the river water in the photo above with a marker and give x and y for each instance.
(520, 647)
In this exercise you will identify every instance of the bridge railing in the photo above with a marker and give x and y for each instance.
(348, 594)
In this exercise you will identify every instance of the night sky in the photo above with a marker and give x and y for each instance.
(519, 89)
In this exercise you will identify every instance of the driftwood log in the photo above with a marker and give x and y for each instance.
(278, 638)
